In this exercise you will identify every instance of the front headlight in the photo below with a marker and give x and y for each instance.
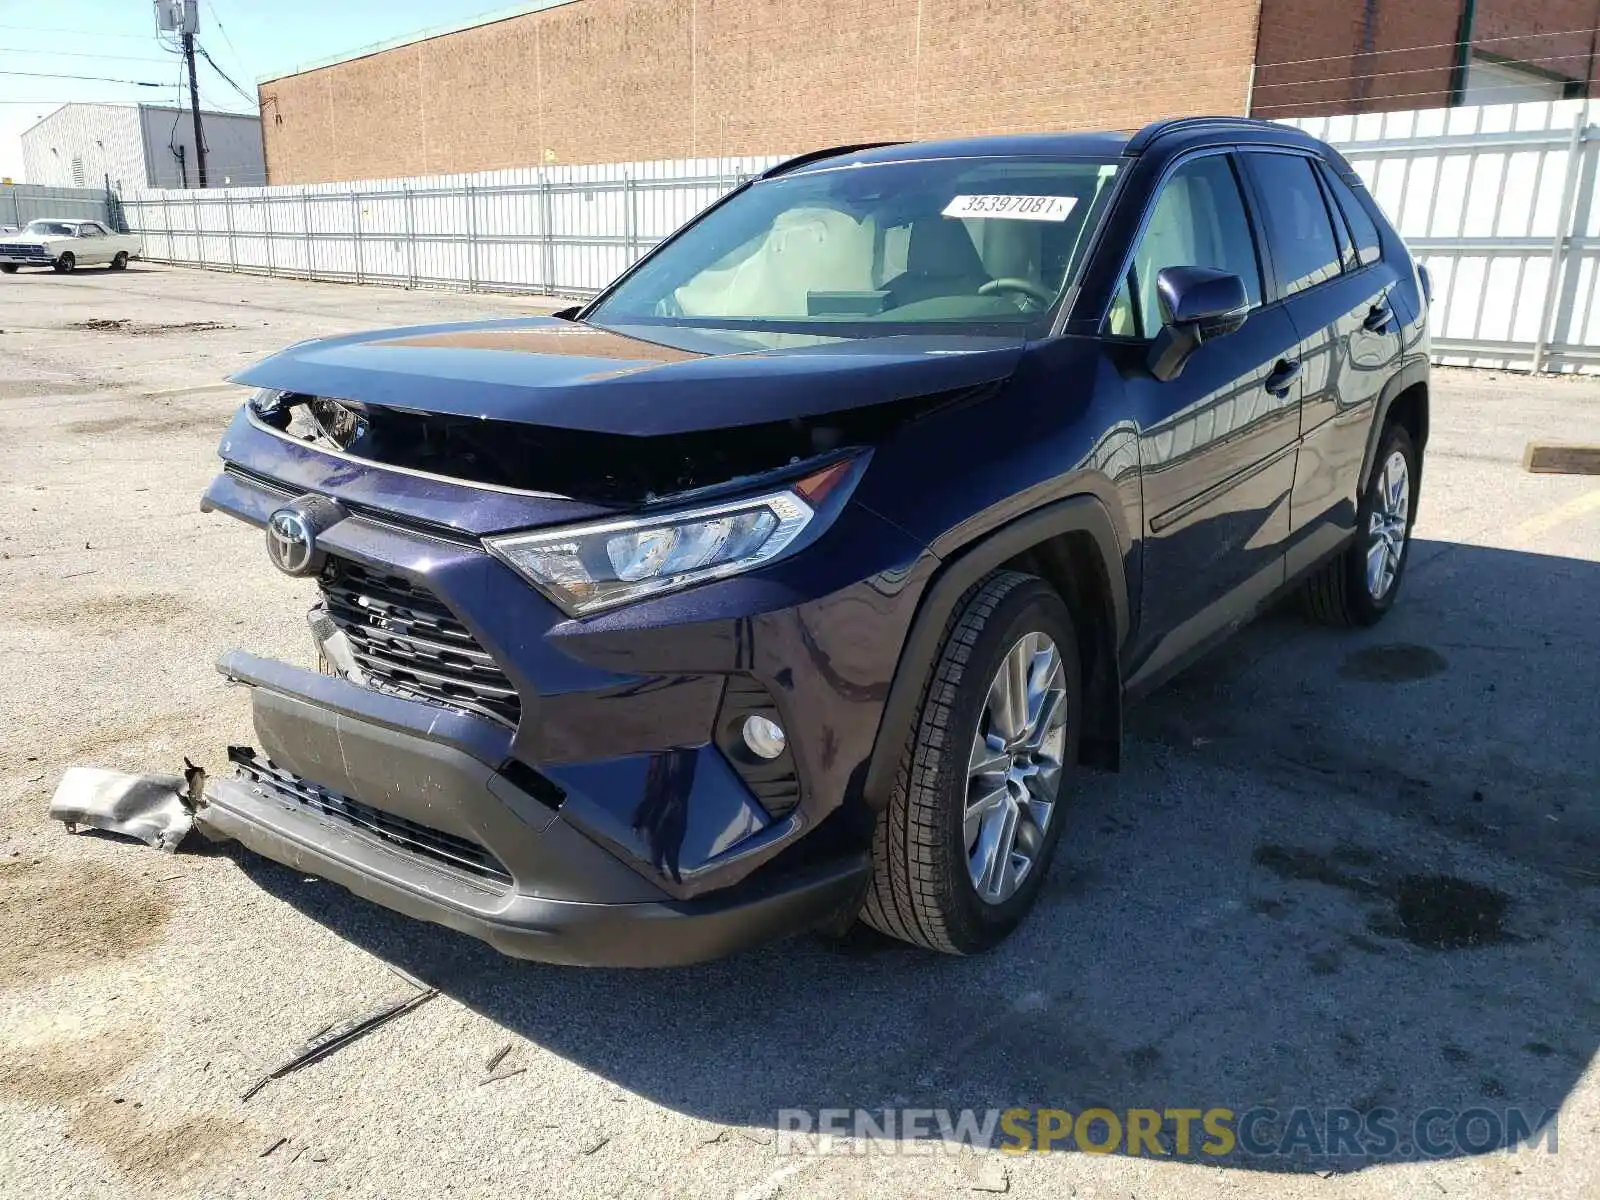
(586, 568)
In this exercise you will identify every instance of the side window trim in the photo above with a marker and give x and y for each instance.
(1258, 238)
(1343, 235)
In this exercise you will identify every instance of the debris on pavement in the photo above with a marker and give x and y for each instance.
(320, 1048)
(992, 1177)
(156, 809)
(503, 1075)
(496, 1057)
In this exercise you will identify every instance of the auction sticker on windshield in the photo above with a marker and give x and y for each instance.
(1012, 208)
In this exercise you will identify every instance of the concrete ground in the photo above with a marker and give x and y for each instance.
(1244, 917)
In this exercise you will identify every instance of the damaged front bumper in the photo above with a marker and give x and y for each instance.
(572, 790)
(408, 813)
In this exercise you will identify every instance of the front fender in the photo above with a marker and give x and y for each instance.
(1080, 513)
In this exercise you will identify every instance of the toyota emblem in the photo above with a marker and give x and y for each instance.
(292, 533)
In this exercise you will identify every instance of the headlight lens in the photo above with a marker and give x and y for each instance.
(267, 401)
(587, 568)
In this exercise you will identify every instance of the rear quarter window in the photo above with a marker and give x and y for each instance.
(1363, 229)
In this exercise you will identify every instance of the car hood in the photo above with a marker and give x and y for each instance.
(568, 375)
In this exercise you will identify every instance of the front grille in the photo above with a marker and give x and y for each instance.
(408, 642)
(13, 250)
(444, 849)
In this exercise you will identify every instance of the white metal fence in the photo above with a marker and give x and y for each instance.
(558, 231)
(1498, 200)
(23, 202)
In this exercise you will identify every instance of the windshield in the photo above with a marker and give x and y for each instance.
(50, 229)
(968, 243)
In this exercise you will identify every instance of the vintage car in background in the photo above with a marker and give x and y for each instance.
(66, 245)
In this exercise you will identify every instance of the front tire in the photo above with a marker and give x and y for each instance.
(64, 264)
(1359, 586)
(8, 268)
(961, 851)
(120, 262)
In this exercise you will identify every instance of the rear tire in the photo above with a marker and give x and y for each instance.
(928, 863)
(120, 262)
(64, 264)
(1360, 585)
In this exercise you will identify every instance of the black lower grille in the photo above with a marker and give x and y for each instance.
(444, 849)
(407, 641)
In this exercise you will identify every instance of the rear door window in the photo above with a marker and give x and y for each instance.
(1198, 220)
(1299, 229)
(1362, 227)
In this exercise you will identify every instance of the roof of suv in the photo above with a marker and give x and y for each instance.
(1053, 145)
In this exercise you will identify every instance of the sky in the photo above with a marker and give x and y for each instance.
(117, 38)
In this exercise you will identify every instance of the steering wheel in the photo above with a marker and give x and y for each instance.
(1025, 287)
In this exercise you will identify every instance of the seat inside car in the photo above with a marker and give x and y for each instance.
(941, 260)
(1011, 249)
(807, 250)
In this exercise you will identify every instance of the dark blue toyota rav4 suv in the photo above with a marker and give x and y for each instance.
(789, 581)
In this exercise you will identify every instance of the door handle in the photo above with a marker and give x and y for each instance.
(1378, 317)
(1282, 377)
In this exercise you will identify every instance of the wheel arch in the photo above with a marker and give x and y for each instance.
(1404, 399)
(1072, 545)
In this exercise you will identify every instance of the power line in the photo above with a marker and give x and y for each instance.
(1478, 89)
(1474, 41)
(216, 18)
(1435, 69)
(78, 32)
(225, 77)
(91, 78)
(144, 58)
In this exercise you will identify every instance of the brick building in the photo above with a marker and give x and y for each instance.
(1316, 57)
(582, 81)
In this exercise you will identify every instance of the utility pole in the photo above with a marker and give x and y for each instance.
(194, 104)
(183, 18)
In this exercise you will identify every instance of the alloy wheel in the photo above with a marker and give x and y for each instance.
(1386, 531)
(1014, 768)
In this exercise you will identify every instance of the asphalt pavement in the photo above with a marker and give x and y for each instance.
(1340, 872)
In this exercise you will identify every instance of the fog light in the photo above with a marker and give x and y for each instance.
(765, 738)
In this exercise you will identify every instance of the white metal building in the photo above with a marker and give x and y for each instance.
(140, 145)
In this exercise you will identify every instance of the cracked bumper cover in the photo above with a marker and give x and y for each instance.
(562, 897)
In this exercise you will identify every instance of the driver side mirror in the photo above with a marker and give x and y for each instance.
(1197, 305)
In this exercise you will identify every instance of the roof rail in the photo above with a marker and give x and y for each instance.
(791, 164)
(1140, 141)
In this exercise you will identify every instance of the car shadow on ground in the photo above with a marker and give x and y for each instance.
(1338, 871)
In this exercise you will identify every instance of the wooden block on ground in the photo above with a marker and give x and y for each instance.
(1558, 458)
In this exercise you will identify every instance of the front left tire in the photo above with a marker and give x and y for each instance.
(962, 849)
(8, 268)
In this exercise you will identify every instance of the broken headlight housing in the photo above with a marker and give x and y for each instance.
(585, 569)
